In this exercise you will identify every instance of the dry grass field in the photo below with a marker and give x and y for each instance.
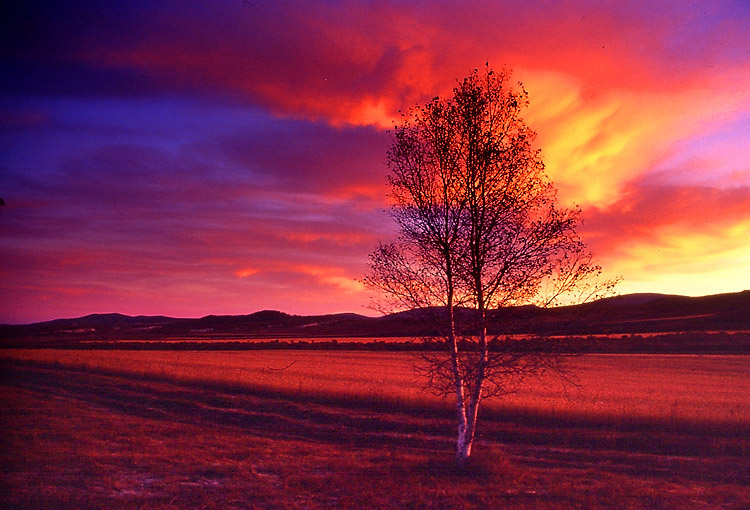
(691, 388)
(281, 429)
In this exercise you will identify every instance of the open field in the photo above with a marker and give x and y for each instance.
(690, 388)
(284, 429)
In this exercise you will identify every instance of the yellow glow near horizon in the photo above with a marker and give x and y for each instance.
(684, 262)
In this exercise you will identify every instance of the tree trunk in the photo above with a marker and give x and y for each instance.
(463, 443)
(462, 449)
(471, 412)
(466, 435)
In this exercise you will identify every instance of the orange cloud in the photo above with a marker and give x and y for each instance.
(246, 273)
(594, 146)
(325, 275)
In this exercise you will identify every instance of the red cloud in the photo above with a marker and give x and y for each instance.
(362, 62)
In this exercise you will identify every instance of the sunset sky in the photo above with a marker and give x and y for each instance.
(224, 157)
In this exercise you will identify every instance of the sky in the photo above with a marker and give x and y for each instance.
(228, 156)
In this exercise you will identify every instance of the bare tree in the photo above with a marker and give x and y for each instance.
(479, 229)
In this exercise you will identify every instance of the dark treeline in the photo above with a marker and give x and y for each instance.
(668, 343)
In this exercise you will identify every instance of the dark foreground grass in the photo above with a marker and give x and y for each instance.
(74, 439)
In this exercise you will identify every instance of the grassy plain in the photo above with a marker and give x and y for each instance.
(690, 388)
(281, 429)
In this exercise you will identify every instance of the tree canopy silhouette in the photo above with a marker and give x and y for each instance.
(479, 229)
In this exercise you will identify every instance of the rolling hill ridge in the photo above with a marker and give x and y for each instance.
(629, 314)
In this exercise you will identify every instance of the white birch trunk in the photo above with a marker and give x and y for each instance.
(471, 412)
(461, 446)
(466, 435)
(460, 415)
(463, 450)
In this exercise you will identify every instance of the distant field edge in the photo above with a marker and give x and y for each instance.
(736, 342)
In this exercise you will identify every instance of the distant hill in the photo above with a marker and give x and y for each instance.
(629, 314)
